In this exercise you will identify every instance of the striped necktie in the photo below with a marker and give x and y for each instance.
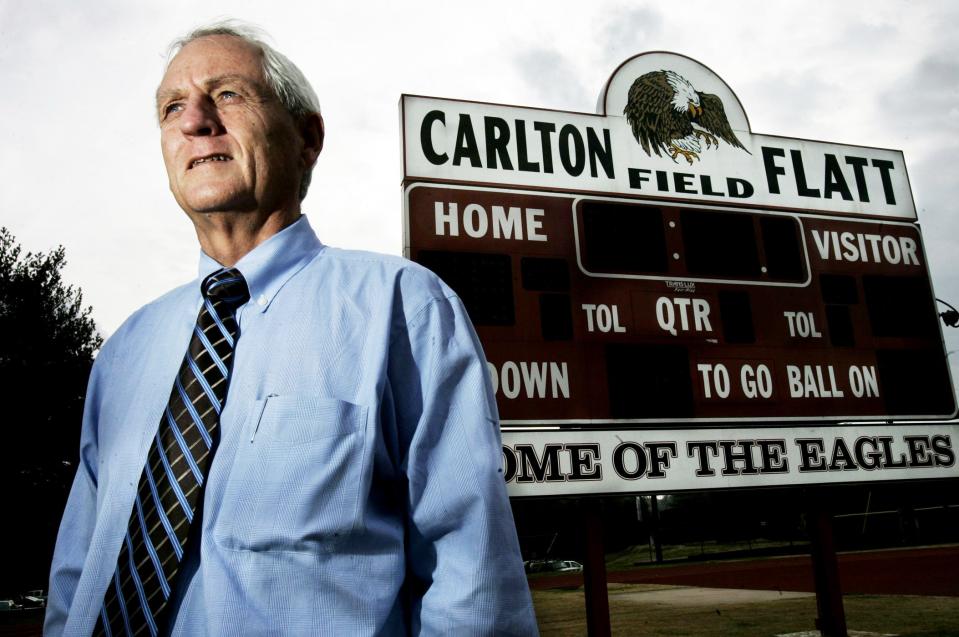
(172, 482)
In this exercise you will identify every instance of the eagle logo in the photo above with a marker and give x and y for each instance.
(667, 114)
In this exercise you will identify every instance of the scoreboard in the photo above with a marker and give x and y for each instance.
(612, 311)
(669, 301)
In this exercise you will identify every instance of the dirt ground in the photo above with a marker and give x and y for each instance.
(642, 610)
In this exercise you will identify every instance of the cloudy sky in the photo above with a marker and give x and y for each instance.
(80, 162)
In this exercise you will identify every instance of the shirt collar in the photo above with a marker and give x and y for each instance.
(268, 266)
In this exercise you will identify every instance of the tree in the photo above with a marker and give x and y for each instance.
(47, 344)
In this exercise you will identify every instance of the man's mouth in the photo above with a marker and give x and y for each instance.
(211, 158)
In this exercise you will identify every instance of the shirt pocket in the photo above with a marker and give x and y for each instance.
(295, 484)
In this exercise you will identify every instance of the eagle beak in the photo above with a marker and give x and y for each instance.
(695, 110)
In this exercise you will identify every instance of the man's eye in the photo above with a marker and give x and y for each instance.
(169, 109)
(227, 95)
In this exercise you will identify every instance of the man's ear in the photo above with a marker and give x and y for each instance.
(311, 129)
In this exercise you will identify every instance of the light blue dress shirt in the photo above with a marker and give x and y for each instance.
(357, 486)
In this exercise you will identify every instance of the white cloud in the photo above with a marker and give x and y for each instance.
(553, 78)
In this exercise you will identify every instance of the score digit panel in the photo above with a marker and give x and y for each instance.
(601, 310)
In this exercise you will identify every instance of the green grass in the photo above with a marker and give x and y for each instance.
(562, 613)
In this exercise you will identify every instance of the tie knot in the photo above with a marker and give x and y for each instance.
(226, 285)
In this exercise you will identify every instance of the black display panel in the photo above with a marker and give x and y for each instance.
(628, 239)
(484, 282)
(899, 306)
(649, 381)
(737, 317)
(546, 275)
(782, 249)
(839, 324)
(721, 245)
(915, 382)
(556, 317)
(838, 289)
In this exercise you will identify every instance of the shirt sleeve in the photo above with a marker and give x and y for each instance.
(79, 518)
(465, 571)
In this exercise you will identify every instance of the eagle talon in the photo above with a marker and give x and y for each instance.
(675, 151)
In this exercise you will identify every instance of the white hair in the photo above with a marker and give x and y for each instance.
(283, 77)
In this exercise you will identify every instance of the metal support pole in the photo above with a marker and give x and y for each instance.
(831, 621)
(654, 527)
(594, 571)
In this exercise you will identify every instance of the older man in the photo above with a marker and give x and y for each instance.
(324, 457)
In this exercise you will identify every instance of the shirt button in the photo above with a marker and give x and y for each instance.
(261, 300)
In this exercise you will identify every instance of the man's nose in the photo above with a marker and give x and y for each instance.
(200, 117)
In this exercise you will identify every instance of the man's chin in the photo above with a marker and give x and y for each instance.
(209, 203)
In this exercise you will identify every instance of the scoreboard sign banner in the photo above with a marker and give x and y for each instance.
(536, 463)
(667, 127)
(657, 268)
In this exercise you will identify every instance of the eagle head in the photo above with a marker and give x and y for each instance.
(685, 98)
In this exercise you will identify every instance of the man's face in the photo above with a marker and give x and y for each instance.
(228, 143)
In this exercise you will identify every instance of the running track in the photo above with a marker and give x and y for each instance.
(924, 571)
